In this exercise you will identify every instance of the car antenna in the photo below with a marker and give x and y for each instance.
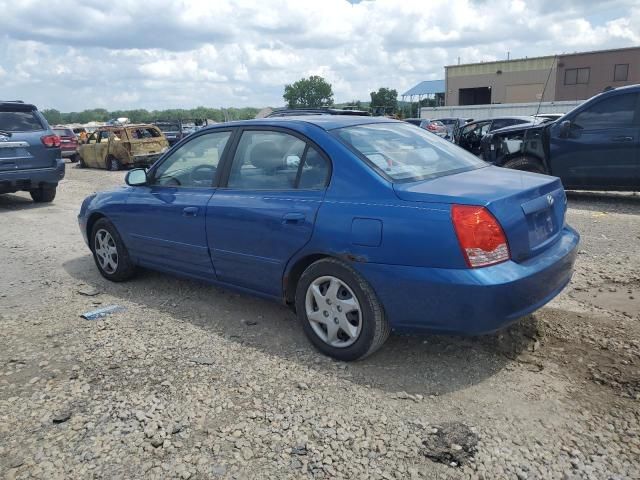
(544, 89)
(523, 147)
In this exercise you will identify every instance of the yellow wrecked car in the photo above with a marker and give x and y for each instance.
(117, 147)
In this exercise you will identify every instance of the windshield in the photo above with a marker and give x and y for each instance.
(404, 153)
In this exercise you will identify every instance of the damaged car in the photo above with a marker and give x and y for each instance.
(118, 147)
(593, 147)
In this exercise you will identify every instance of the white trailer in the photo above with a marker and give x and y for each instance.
(480, 112)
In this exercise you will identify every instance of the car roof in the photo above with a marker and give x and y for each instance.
(295, 112)
(17, 105)
(326, 122)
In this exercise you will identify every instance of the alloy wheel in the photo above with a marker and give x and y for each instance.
(333, 311)
(106, 251)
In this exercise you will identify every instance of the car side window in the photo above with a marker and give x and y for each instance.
(612, 112)
(314, 172)
(194, 164)
(266, 160)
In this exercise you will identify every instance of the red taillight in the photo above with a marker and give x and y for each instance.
(51, 141)
(480, 235)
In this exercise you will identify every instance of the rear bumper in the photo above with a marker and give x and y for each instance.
(32, 178)
(471, 301)
(68, 153)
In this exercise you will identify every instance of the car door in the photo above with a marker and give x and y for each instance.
(600, 148)
(165, 219)
(101, 148)
(88, 150)
(472, 134)
(266, 210)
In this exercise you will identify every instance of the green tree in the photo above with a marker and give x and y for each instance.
(53, 116)
(312, 92)
(384, 101)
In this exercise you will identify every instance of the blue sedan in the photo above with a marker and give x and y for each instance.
(362, 225)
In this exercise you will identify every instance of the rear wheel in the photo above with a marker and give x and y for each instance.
(339, 311)
(74, 158)
(43, 194)
(113, 164)
(109, 252)
(526, 164)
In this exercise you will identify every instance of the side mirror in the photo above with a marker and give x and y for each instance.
(136, 177)
(565, 129)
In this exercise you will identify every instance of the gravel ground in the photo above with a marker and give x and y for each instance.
(192, 381)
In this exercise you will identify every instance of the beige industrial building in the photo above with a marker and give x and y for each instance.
(575, 76)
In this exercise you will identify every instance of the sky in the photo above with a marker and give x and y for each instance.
(123, 54)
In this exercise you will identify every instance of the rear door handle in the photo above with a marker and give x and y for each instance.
(190, 211)
(622, 139)
(293, 218)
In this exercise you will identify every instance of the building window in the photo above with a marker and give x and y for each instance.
(573, 76)
(621, 72)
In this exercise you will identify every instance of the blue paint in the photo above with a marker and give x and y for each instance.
(398, 236)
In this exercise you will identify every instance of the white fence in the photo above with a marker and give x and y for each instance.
(479, 112)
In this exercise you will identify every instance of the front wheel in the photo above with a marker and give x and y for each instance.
(43, 194)
(109, 252)
(339, 311)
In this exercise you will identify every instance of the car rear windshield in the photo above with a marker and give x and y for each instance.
(19, 122)
(63, 132)
(404, 153)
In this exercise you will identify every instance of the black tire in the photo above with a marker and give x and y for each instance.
(375, 328)
(113, 164)
(74, 158)
(43, 194)
(526, 164)
(81, 163)
(125, 268)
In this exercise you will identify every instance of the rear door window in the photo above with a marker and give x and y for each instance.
(19, 122)
(266, 160)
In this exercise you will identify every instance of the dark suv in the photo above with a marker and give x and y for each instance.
(596, 146)
(30, 157)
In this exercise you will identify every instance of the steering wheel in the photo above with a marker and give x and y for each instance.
(197, 177)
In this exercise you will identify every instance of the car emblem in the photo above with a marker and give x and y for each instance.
(550, 200)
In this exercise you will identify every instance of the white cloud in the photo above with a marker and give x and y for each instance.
(129, 54)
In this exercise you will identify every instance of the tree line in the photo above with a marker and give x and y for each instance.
(55, 117)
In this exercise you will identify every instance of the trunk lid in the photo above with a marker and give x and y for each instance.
(25, 150)
(530, 207)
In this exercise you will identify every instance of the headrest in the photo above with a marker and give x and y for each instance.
(267, 155)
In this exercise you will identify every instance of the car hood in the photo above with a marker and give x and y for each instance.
(518, 128)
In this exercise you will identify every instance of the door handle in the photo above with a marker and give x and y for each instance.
(190, 211)
(293, 218)
(622, 139)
